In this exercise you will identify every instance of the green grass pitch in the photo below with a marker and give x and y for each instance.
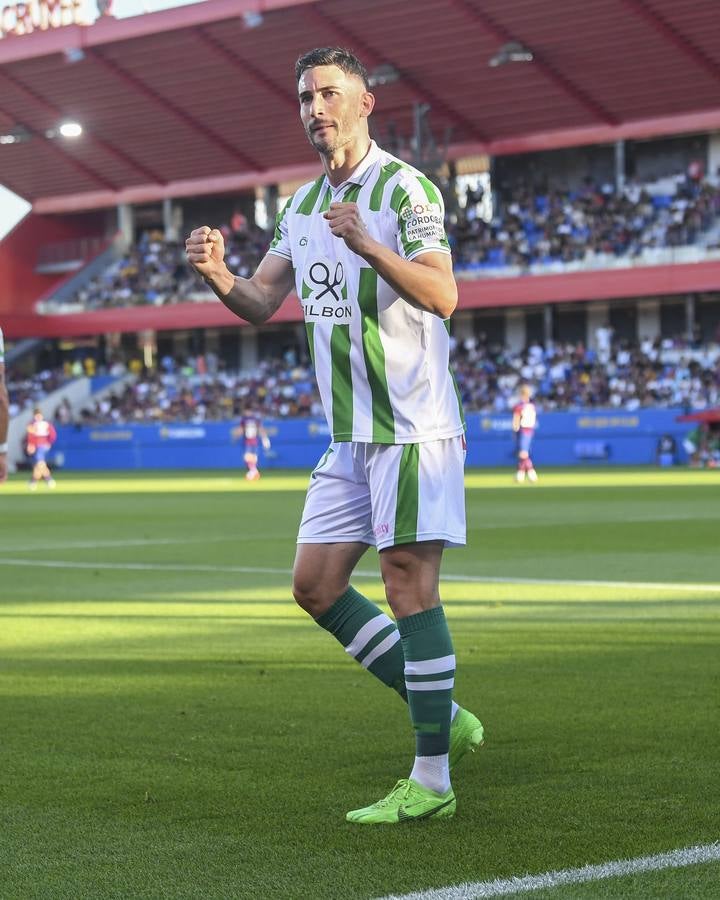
(171, 726)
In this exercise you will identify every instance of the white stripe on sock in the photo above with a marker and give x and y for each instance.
(444, 685)
(430, 666)
(381, 648)
(367, 633)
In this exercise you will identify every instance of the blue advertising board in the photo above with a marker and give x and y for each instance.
(606, 437)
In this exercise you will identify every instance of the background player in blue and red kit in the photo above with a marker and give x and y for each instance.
(524, 423)
(252, 432)
(41, 436)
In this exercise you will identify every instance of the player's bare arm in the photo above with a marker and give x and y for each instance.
(4, 423)
(254, 299)
(426, 282)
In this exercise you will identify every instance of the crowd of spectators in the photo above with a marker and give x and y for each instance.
(626, 376)
(543, 226)
(531, 226)
(154, 271)
(188, 392)
(26, 391)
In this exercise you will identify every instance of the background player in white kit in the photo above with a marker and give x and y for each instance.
(524, 423)
(365, 248)
(4, 414)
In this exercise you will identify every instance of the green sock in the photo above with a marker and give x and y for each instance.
(369, 636)
(429, 678)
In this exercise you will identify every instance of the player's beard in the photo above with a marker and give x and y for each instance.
(330, 144)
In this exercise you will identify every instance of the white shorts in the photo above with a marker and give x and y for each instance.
(387, 494)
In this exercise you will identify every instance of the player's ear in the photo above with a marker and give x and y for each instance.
(367, 104)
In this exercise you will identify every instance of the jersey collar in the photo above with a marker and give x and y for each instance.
(361, 172)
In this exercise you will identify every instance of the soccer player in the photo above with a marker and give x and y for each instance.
(41, 436)
(252, 431)
(524, 423)
(365, 248)
(4, 414)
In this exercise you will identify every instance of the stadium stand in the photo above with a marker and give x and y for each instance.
(589, 227)
(644, 375)
(605, 188)
(533, 230)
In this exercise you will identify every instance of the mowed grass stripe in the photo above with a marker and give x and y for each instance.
(173, 733)
(359, 573)
(222, 482)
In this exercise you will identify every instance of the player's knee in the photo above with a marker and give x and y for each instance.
(310, 595)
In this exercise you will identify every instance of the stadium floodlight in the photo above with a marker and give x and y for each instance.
(383, 74)
(512, 52)
(65, 129)
(16, 136)
(70, 129)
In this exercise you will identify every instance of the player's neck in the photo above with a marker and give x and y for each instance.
(343, 162)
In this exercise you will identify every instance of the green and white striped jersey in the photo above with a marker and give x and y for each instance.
(382, 366)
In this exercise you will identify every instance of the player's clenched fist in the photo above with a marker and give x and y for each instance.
(345, 222)
(205, 249)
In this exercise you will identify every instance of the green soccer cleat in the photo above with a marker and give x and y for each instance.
(466, 733)
(408, 801)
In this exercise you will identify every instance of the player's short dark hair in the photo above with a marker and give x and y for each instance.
(332, 56)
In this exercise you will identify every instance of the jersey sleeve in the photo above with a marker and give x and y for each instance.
(280, 244)
(2, 349)
(420, 217)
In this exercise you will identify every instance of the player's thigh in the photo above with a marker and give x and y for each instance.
(418, 493)
(338, 507)
(321, 573)
(335, 529)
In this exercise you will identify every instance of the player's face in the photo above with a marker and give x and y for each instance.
(333, 107)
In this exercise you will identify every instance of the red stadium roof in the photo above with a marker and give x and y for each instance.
(192, 100)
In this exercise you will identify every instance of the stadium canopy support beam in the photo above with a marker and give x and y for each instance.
(676, 38)
(502, 36)
(246, 68)
(142, 88)
(422, 93)
(58, 150)
(58, 114)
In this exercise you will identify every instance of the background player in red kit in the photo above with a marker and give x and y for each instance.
(251, 430)
(41, 436)
(524, 423)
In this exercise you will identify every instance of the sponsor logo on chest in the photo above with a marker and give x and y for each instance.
(324, 293)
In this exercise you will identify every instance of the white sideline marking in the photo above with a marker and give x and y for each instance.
(264, 570)
(674, 859)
